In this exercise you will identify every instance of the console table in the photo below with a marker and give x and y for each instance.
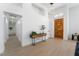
(38, 36)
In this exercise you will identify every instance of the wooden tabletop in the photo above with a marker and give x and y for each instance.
(39, 35)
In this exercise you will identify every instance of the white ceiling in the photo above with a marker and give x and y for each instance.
(58, 5)
(73, 5)
(51, 7)
(48, 6)
(19, 4)
(54, 6)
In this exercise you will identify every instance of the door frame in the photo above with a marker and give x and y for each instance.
(5, 18)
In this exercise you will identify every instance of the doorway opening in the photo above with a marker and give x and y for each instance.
(58, 28)
(13, 31)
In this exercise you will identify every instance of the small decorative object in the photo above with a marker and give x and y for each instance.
(42, 28)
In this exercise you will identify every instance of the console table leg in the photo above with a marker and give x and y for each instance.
(33, 41)
(42, 38)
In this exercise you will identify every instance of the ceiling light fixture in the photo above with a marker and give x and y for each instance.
(51, 3)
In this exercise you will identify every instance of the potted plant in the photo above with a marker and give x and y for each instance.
(33, 33)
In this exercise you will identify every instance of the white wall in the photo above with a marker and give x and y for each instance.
(31, 21)
(19, 29)
(1, 34)
(73, 20)
(6, 29)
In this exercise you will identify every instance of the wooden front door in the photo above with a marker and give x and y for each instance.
(58, 28)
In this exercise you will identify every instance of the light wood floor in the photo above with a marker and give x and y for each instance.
(51, 47)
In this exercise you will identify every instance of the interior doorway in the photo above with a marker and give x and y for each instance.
(58, 28)
(13, 31)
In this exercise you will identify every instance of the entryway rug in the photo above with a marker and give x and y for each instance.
(77, 49)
